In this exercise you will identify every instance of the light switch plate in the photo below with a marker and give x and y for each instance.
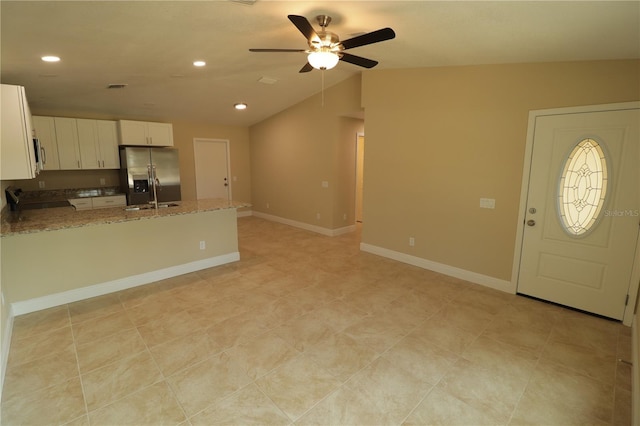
(487, 203)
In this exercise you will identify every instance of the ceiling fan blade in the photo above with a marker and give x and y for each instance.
(358, 60)
(276, 50)
(369, 38)
(307, 67)
(304, 26)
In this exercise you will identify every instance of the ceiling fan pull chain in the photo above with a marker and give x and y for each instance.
(322, 91)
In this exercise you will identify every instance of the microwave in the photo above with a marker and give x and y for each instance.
(40, 155)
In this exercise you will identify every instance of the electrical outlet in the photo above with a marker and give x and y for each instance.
(203, 245)
(267, 205)
(412, 241)
(487, 203)
(344, 216)
(41, 184)
(318, 216)
(103, 181)
(325, 184)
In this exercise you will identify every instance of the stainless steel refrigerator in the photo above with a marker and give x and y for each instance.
(148, 171)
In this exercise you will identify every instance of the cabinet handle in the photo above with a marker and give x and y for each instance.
(78, 163)
(43, 152)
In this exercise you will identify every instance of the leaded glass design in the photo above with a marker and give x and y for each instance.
(583, 187)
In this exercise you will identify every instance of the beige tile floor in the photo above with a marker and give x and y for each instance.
(307, 329)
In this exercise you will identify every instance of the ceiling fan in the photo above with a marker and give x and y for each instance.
(325, 47)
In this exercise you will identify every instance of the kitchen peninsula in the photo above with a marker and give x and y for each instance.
(60, 255)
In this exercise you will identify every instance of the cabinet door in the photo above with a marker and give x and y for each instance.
(88, 143)
(17, 154)
(46, 133)
(68, 148)
(81, 203)
(108, 144)
(132, 132)
(160, 134)
(109, 201)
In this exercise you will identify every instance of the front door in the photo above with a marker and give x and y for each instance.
(582, 210)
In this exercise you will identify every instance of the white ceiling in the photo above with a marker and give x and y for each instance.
(150, 46)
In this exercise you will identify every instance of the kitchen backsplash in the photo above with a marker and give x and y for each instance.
(70, 179)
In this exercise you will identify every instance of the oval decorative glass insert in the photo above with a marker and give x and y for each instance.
(583, 187)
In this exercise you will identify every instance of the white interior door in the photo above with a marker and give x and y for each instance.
(582, 210)
(212, 168)
(359, 176)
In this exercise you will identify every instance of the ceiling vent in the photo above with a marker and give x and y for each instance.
(267, 80)
(116, 86)
(246, 2)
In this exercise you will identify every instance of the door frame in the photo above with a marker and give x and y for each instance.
(359, 167)
(524, 192)
(228, 159)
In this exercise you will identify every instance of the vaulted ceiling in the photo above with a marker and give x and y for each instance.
(150, 46)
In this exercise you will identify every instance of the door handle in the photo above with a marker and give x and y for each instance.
(531, 222)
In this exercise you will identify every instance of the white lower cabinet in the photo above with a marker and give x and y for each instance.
(89, 203)
(81, 203)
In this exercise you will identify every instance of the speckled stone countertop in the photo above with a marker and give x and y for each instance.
(30, 221)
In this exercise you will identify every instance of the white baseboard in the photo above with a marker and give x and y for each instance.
(244, 213)
(49, 301)
(6, 345)
(452, 271)
(313, 228)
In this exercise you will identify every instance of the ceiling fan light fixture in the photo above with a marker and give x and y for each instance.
(323, 60)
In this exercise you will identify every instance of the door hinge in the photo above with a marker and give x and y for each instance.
(626, 300)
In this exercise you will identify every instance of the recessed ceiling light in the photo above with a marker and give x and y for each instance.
(240, 105)
(199, 63)
(50, 58)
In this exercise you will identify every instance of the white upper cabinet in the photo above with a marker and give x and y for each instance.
(85, 144)
(98, 144)
(45, 130)
(68, 145)
(143, 133)
(17, 152)
(108, 144)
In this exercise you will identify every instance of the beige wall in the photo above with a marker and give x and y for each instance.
(293, 152)
(439, 139)
(183, 135)
(66, 179)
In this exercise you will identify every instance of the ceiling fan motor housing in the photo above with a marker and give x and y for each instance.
(325, 39)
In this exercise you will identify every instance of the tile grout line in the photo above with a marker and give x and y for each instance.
(75, 352)
(535, 368)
